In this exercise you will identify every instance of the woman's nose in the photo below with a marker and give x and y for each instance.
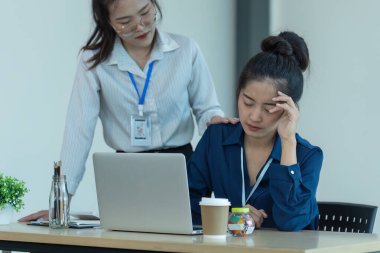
(255, 114)
(140, 25)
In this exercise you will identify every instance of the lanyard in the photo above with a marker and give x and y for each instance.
(243, 199)
(142, 97)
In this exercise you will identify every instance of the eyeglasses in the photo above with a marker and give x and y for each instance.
(128, 28)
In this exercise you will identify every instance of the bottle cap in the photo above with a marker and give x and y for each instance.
(240, 210)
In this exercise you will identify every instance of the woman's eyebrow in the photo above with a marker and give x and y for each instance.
(246, 96)
(267, 103)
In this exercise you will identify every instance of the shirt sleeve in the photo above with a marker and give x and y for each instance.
(199, 178)
(202, 94)
(81, 118)
(293, 190)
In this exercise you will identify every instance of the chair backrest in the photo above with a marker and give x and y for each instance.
(346, 217)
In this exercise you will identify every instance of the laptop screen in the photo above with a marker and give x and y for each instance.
(145, 192)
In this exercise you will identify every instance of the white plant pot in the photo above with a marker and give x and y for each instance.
(6, 215)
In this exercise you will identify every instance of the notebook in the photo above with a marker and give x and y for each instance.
(72, 223)
(143, 192)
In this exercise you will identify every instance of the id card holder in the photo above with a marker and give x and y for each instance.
(141, 130)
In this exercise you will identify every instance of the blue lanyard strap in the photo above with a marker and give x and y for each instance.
(142, 97)
(264, 170)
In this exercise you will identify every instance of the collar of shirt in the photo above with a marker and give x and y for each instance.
(120, 57)
(237, 138)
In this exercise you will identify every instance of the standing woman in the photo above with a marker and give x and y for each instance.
(262, 162)
(143, 84)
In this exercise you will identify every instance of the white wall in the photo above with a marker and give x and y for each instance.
(340, 107)
(39, 45)
(40, 41)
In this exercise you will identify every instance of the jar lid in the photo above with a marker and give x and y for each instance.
(240, 210)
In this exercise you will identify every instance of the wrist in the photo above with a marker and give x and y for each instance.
(289, 141)
(289, 154)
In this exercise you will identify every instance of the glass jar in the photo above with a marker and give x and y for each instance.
(240, 222)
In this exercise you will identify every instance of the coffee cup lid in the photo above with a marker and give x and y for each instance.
(214, 202)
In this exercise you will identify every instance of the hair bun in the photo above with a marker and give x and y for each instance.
(277, 45)
(288, 44)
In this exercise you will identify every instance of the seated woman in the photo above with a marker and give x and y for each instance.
(261, 162)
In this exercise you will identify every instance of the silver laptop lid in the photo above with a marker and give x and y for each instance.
(145, 192)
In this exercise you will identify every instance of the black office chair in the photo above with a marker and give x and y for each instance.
(346, 217)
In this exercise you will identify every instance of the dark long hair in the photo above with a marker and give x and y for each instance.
(283, 59)
(103, 37)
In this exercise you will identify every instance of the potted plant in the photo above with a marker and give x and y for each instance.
(12, 191)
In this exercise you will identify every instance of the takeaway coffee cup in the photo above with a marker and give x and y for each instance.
(214, 212)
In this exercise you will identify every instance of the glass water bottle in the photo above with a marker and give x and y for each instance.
(59, 203)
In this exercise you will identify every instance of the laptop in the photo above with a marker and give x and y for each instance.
(143, 192)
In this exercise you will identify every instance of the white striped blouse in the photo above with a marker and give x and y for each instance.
(180, 85)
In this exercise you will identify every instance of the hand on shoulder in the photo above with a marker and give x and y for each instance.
(225, 120)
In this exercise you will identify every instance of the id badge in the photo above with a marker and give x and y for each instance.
(141, 130)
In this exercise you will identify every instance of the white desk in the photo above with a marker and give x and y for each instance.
(21, 237)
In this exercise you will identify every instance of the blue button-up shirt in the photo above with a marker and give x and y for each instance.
(286, 193)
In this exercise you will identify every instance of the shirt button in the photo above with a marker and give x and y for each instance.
(292, 172)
